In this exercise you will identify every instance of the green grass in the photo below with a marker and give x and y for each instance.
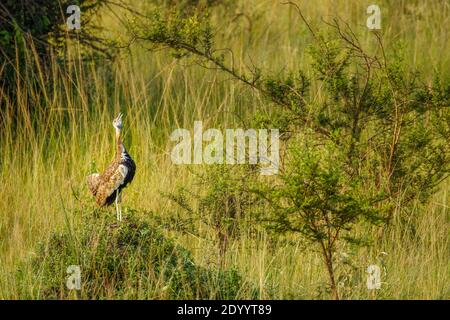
(45, 158)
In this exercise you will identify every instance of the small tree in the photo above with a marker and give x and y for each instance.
(314, 196)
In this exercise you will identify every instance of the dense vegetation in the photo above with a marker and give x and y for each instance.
(129, 261)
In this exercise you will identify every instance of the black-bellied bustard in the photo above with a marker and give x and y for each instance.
(107, 186)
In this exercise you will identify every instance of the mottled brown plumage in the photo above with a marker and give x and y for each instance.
(107, 187)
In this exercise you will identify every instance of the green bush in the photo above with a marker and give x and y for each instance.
(131, 259)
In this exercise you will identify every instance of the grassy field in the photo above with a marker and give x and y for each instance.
(47, 154)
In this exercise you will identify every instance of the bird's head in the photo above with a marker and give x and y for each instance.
(117, 123)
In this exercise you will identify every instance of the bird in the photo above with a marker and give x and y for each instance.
(107, 187)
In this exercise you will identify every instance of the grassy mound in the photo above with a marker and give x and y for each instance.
(127, 260)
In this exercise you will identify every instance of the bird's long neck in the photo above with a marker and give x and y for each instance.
(119, 144)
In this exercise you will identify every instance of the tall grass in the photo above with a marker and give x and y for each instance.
(63, 130)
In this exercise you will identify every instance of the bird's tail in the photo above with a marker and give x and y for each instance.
(92, 182)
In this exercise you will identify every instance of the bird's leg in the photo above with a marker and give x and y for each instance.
(120, 206)
(117, 206)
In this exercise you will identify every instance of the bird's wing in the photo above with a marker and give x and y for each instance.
(92, 182)
(110, 185)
